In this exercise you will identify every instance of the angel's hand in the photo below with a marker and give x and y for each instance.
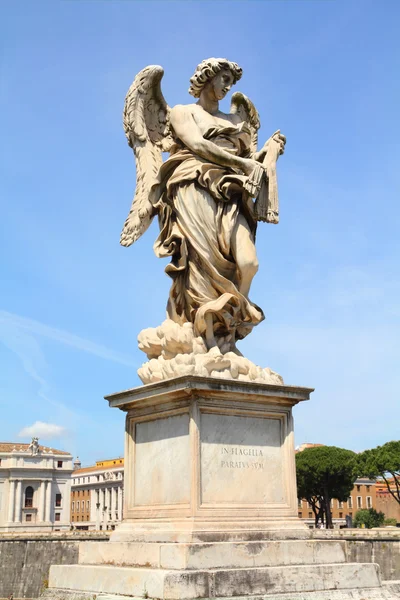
(275, 144)
(249, 165)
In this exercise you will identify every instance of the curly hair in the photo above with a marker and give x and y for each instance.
(207, 69)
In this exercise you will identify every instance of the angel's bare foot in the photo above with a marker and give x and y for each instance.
(236, 351)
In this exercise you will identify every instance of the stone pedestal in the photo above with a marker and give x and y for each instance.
(208, 459)
(210, 503)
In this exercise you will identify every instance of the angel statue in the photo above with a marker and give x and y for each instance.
(209, 196)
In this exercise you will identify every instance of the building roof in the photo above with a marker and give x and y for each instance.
(96, 468)
(307, 445)
(10, 446)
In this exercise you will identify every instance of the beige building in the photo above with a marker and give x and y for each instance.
(35, 487)
(385, 501)
(363, 495)
(97, 495)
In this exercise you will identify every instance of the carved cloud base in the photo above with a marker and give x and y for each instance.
(174, 351)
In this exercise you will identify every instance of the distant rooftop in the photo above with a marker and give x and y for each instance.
(112, 463)
(10, 446)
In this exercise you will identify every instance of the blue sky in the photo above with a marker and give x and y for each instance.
(73, 301)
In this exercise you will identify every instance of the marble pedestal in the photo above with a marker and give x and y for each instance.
(208, 459)
(210, 507)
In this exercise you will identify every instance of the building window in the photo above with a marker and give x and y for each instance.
(77, 506)
(28, 518)
(29, 497)
(369, 502)
(299, 503)
(310, 515)
(77, 518)
(72, 506)
(59, 464)
(87, 504)
(300, 515)
(57, 517)
(340, 515)
(358, 488)
(368, 486)
(77, 493)
(58, 499)
(350, 502)
(359, 502)
(340, 504)
(72, 518)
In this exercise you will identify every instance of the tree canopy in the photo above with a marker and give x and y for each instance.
(369, 517)
(383, 462)
(323, 473)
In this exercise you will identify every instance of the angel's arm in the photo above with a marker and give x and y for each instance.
(187, 130)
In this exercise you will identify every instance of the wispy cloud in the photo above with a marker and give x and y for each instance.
(44, 431)
(21, 324)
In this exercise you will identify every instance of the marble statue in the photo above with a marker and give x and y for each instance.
(33, 447)
(209, 196)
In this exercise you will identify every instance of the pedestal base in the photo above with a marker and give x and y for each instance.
(208, 459)
(210, 502)
(216, 570)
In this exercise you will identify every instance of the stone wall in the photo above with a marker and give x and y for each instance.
(380, 545)
(25, 560)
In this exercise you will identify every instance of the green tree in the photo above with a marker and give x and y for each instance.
(323, 473)
(369, 517)
(391, 521)
(383, 462)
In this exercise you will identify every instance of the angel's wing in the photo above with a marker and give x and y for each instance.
(243, 106)
(146, 125)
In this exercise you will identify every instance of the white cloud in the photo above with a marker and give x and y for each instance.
(44, 431)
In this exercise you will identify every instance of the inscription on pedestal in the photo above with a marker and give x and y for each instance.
(244, 453)
(241, 460)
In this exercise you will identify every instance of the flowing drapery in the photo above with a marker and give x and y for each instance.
(199, 203)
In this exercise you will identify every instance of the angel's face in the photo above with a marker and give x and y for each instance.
(222, 83)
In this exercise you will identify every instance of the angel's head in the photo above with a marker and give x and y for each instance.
(219, 73)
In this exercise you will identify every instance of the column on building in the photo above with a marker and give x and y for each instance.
(49, 495)
(11, 501)
(113, 503)
(119, 491)
(18, 503)
(105, 507)
(98, 508)
(42, 501)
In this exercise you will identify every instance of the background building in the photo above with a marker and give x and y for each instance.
(97, 494)
(385, 501)
(35, 487)
(362, 496)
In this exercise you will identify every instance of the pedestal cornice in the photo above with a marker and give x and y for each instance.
(187, 386)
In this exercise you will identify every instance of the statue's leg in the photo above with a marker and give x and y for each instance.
(210, 337)
(244, 253)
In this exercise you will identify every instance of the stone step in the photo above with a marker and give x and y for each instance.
(227, 555)
(227, 583)
(384, 593)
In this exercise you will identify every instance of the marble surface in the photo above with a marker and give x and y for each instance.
(241, 460)
(162, 461)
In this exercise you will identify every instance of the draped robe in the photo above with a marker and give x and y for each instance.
(198, 204)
